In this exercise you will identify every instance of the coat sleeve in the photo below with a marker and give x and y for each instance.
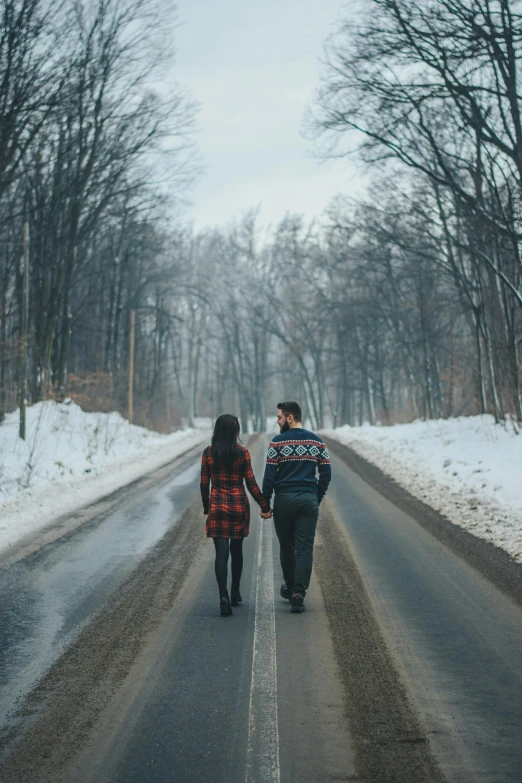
(205, 481)
(252, 485)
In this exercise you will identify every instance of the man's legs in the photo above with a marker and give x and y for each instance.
(285, 511)
(305, 527)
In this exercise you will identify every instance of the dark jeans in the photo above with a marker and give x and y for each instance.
(295, 520)
(221, 565)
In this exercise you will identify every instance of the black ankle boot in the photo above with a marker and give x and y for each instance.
(235, 596)
(224, 605)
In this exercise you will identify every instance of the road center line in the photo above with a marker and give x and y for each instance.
(263, 735)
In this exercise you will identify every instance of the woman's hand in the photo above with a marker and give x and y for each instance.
(265, 514)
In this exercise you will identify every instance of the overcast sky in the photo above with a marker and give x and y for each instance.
(253, 66)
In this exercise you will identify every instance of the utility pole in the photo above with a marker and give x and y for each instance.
(131, 364)
(167, 402)
(24, 332)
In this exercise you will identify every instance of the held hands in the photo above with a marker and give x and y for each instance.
(265, 514)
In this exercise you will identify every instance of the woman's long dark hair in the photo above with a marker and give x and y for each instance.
(225, 439)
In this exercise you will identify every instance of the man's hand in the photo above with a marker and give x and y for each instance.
(265, 514)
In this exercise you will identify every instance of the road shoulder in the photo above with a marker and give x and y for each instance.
(66, 524)
(490, 561)
(59, 713)
(388, 741)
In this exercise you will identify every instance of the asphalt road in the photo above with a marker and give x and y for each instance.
(405, 666)
(195, 706)
(48, 596)
(455, 639)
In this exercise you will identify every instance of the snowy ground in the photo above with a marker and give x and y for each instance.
(468, 468)
(71, 458)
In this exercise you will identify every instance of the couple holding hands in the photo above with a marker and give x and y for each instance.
(297, 472)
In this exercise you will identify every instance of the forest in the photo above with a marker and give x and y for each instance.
(404, 304)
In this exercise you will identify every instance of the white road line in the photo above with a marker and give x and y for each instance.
(263, 735)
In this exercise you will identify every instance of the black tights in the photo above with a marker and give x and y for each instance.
(236, 553)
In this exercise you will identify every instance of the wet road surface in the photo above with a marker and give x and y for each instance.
(405, 666)
(47, 598)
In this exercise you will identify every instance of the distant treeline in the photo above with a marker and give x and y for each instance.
(405, 304)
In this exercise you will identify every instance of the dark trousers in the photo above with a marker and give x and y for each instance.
(221, 564)
(295, 520)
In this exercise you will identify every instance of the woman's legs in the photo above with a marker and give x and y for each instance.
(221, 565)
(236, 553)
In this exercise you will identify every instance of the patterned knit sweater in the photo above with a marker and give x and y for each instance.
(292, 461)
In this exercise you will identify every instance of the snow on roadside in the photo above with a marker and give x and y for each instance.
(468, 468)
(70, 459)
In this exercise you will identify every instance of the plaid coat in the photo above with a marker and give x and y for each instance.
(227, 505)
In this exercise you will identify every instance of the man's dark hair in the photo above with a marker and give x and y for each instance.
(292, 408)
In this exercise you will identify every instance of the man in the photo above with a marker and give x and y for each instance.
(294, 457)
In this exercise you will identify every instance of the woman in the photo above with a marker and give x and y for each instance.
(227, 464)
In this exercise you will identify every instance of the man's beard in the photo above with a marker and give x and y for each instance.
(284, 427)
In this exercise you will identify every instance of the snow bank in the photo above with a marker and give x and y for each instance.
(71, 458)
(468, 468)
